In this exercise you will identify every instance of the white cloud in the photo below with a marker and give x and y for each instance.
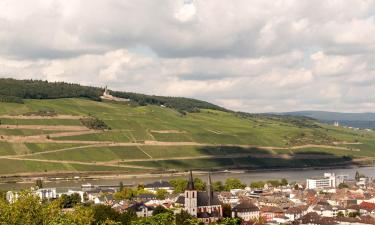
(249, 55)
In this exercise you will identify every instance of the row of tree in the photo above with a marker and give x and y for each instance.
(230, 183)
(28, 209)
(12, 90)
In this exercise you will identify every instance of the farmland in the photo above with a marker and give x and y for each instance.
(154, 138)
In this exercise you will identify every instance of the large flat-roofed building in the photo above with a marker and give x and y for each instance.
(327, 181)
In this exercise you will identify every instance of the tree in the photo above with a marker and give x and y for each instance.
(227, 210)
(69, 201)
(284, 182)
(357, 176)
(39, 183)
(103, 213)
(125, 193)
(199, 184)
(179, 185)
(233, 183)
(128, 216)
(81, 215)
(274, 183)
(183, 218)
(230, 221)
(257, 184)
(161, 193)
(353, 214)
(218, 186)
(121, 186)
(159, 219)
(159, 210)
(342, 185)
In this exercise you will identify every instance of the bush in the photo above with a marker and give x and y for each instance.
(94, 123)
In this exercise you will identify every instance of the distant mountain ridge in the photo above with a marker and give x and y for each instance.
(360, 120)
(325, 115)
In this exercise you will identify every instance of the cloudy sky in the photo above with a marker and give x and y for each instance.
(248, 55)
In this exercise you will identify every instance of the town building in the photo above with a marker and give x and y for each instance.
(246, 210)
(46, 193)
(327, 181)
(158, 185)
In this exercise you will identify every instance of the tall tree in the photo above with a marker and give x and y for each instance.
(357, 176)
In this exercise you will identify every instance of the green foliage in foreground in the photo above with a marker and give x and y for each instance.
(28, 209)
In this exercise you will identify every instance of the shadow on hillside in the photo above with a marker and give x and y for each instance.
(255, 158)
(231, 150)
(228, 157)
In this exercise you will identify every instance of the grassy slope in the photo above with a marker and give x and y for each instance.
(137, 124)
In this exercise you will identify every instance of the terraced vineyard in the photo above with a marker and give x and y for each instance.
(154, 138)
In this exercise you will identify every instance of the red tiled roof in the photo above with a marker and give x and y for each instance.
(367, 206)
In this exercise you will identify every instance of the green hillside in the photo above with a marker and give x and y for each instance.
(153, 138)
(61, 134)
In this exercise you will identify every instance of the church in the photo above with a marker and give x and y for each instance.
(204, 205)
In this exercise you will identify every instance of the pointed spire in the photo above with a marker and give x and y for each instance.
(210, 192)
(190, 185)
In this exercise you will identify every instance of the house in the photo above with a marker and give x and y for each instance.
(269, 212)
(141, 209)
(106, 199)
(367, 207)
(312, 218)
(246, 210)
(228, 198)
(294, 213)
(145, 197)
(154, 187)
(204, 205)
(327, 210)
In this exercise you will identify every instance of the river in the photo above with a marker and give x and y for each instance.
(245, 177)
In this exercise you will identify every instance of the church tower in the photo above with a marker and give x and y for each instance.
(191, 205)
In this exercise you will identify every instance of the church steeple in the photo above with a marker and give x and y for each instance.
(190, 185)
(210, 191)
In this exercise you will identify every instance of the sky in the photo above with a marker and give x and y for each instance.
(246, 55)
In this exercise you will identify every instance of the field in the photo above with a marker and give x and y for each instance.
(145, 138)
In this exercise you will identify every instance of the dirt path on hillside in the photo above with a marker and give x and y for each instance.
(41, 138)
(22, 117)
(168, 131)
(45, 127)
(325, 146)
(77, 162)
(75, 133)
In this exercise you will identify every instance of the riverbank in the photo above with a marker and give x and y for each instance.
(107, 177)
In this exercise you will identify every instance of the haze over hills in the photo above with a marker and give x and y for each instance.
(49, 128)
(360, 120)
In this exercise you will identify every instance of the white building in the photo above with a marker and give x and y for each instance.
(46, 193)
(327, 181)
(11, 196)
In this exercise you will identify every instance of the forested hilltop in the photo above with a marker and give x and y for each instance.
(12, 90)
